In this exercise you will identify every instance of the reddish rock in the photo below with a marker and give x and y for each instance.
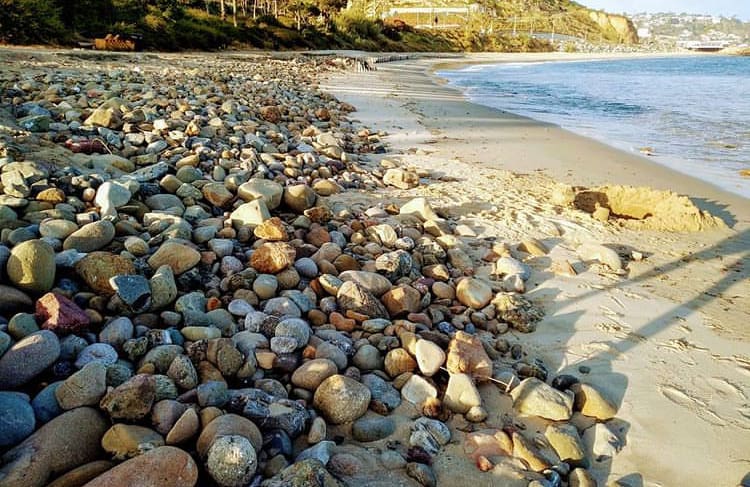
(273, 257)
(60, 315)
(165, 466)
(318, 236)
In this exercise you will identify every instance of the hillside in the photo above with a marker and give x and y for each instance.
(376, 25)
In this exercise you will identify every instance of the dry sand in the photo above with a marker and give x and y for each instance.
(669, 339)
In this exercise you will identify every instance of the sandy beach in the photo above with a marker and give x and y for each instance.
(667, 337)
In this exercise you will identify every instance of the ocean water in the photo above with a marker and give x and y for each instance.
(692, 113)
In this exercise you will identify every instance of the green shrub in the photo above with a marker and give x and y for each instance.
(31, 22)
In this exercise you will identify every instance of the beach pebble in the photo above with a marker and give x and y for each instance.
(600, 253)
(27, 358)
(31, 266)
(534, 397)
(473, 293)
(165, 466)
(232, 461)
(17, 419)
(341, 399)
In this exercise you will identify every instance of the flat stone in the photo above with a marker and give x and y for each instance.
(417, 390)
(373, 429)
(430, 357)
(354, 297)
(272, 257)
(124, 441)
(312, 373)
(250, 214)
(591, 401)
(370, 281)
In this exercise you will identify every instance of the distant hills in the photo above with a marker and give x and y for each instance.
(385, 25)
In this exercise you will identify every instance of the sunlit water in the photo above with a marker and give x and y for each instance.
(692, 113)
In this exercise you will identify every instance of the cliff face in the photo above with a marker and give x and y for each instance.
(621, 25)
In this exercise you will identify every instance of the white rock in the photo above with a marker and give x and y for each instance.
(461, 394)
(421, 208)
(430, 357)
(417, 390)
(605, 255)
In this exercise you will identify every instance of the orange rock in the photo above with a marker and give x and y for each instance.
(341, 323)
(273, 257)
(402, 300)
(272, 230)
(466, 355)
(213, 303)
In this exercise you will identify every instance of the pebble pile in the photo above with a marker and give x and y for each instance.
(183, 300)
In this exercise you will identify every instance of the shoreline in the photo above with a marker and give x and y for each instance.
(627, 168)
(666, 339)
(671, 161)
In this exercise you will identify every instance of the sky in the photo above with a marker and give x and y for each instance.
(728, 8)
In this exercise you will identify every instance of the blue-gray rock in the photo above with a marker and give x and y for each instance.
(294, 328)
(269, 412)
(22, 325)
(212, 393)
(161, 357)
(45, 403)
(306, 267)
(17, 419)
(133, 290)
(282, 306)
(91, 237)
(385, 397)
(5, 342)
(117, 332)
(373, 429)
(12, 299)
(320, 452)
(300, 299)
(97, 352)
(28, 358)
(71, 346)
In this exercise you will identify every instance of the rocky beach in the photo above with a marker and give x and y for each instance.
(249, 269)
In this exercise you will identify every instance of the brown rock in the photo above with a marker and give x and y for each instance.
(165, 466)
(273, 257)
(49, 450)
(98, 267)
(272, 230)
(398, 361)
(353, 297)
(51, 195)
(311, 374)
(466, 355)
(177, 255)
(270, 113)
(79, 476)
(525, 450)
(317, 236)
(402, 300)
(131, 400)
(342, 399)
(60, 315)
(129, 440)
(217, 194)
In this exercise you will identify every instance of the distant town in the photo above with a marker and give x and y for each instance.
(691, 30)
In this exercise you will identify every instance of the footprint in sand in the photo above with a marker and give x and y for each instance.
(693, 404)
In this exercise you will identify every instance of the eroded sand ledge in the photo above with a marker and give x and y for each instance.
(669, 340)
